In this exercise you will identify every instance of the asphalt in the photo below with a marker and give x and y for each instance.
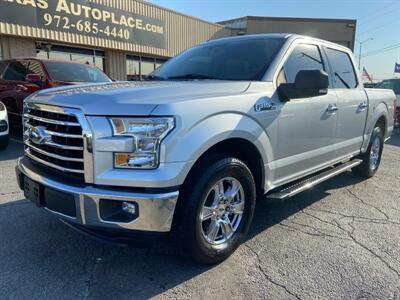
(338, 240)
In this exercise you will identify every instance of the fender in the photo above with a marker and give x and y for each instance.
(374, 114)
(193, 143)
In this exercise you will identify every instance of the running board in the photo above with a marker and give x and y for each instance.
(310, 182)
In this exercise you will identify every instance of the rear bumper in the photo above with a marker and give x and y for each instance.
(154, 210)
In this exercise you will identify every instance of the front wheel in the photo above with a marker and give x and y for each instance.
(372, 157)
(216, 209)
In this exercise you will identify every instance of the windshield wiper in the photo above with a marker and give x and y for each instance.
(154, 77)
(192, 76)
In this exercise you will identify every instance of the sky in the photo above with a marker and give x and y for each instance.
(377, 19)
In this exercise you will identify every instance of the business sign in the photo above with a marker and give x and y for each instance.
(85, 17)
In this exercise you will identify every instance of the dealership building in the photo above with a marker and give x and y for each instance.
(130, 38)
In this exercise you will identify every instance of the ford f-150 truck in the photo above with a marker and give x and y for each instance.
(187, 153)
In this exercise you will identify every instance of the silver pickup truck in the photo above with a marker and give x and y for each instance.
(188, 152)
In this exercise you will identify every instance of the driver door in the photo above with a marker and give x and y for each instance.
(306, 127)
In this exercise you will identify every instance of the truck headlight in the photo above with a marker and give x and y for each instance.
(148, 134)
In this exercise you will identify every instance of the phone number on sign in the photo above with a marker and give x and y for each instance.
(85, 26)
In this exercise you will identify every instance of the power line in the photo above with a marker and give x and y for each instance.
(375, 28)
(382, 50)
(378, 13)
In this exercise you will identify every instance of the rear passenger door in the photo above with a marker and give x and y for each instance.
(306, 126)
(352, 102)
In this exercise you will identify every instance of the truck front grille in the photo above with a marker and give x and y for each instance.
(53, 137)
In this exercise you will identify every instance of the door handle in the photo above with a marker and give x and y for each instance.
(363, 105)
(332, 108)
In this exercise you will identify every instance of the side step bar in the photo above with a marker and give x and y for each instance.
(310, 182)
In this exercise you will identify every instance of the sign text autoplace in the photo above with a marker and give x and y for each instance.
(85, 17)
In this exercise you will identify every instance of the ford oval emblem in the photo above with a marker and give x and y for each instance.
(38, 135)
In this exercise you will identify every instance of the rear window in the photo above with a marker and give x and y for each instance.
(74, 72)
(392, 84)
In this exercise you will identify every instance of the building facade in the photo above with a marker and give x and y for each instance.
(128, 39)
(339, 31)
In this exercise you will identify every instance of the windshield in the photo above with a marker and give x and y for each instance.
(393, 84)
(75, 72)
(243, 59)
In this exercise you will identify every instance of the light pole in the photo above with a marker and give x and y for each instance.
(359, 55)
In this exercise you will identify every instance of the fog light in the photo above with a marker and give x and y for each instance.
(129, 208)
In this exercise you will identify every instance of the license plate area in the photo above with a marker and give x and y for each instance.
(33, 191)
(56, 201)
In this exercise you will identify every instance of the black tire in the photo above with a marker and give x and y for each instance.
(4, 140)
(366, 169)
(193, 195)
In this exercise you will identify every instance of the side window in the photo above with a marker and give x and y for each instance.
(303, 57)
(342, 68)
(34, 67)
(16, 71)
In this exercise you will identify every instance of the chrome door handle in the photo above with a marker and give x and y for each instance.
(363, 105)
(332, 108)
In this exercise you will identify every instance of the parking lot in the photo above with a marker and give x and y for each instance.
(338, 240)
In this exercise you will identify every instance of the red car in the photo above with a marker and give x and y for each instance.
(21, 77)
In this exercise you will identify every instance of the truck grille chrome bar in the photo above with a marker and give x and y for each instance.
(55, 138)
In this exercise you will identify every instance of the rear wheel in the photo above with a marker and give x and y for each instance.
(216, 209)
(372, 157)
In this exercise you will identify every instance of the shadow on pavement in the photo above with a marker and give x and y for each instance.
(51, 258)
(13, 151)
(395, 139)
(269, 213)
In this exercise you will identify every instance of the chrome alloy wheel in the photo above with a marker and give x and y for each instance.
(375, 153)
(222, 211)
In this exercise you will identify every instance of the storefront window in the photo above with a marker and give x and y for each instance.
(159, 63)
(133, 67)
(138, 68)
(86, 56)
(146, 66)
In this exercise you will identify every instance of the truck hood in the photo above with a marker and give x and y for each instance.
(134, 98)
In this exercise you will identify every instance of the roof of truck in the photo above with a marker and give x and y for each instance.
(286, 36)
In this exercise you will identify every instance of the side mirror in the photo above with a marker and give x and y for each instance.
(308, 83)
(34, 78)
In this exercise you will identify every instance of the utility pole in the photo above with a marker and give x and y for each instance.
(359, 55)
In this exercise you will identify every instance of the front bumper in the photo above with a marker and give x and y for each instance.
(155, 210)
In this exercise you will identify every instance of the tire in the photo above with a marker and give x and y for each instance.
(372, 157)
(4, 140)
(199, 194)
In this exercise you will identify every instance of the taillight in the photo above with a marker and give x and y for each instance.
(394, 109)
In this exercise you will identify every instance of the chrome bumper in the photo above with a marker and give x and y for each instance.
(155, 211)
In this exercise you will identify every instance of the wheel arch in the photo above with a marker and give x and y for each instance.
(239, 148)
(379, 117)
(232, 134)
